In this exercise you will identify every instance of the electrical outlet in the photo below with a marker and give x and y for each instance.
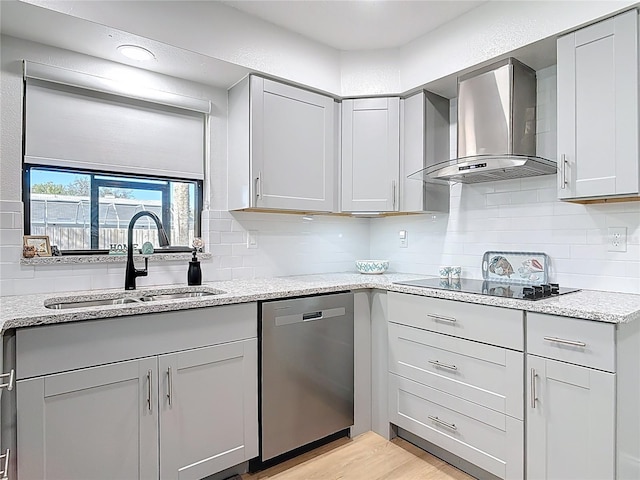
(252, 239)
(403, 235)
(617, 239)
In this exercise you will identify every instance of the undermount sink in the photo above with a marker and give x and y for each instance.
(61, 304)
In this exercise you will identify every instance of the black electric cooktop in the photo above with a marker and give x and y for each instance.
(492, 288)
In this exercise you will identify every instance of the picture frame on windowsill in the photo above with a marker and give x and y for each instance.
(40, 243)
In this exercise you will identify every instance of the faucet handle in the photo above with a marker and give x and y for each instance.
(145, 271)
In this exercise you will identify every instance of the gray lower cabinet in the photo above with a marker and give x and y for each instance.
(203, 409)
(94, 423)
(186, 412)
(455, 379)
(103, 422)
(570, 422)
(583, 420)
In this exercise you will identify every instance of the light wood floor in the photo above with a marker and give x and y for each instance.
(365, 457)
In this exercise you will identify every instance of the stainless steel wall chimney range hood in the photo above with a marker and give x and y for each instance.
(496, 128)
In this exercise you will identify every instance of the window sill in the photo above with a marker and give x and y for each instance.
(80, 259)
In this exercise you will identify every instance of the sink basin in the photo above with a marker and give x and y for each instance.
(151, 296)
(93, 303)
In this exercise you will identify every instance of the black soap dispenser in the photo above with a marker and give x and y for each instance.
(194, 275)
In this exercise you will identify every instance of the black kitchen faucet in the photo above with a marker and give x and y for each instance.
(131, 272)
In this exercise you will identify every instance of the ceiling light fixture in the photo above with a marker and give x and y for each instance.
(136, 53)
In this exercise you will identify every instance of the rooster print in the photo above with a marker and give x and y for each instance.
(500, 266)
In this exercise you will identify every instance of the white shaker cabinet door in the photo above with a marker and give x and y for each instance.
(90, 424)
(370, 154)
(570, 421)
(598, 110)
(208, 403)
(292, 147)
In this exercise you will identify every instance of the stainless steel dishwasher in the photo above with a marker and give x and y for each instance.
(306, 382)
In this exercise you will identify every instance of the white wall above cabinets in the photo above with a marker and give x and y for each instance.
(424, 141)
(281, 147)
(370, 154)
(598, 111)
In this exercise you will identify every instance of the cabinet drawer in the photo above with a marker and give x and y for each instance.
(483, 374)
(493, 325)
(488, 439)
(98, 342)
(572, 340)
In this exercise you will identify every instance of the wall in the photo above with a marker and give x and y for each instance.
(519, 215)
(219, 31)
(287, 243)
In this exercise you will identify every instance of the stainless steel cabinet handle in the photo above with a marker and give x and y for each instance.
(169, 385)
(565, 342)
(443, 365)
(393, 193)
(534, 397)
(452, 426)
(5, 468)
(259, 185)
(563, 171)
(149, 380)
(440, 318)
(9, 385)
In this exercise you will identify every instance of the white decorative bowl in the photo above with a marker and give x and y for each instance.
(372, 266)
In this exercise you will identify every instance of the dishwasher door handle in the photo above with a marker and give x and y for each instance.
(310, 316)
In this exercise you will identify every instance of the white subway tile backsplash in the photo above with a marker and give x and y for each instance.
(520, 214)
(233, 237)
(10, 237)
(11, 206)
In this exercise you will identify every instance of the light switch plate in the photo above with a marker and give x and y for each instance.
(617, 239)
(403, 235)
(252, 239)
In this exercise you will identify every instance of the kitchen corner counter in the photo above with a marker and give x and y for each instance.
(29, 310)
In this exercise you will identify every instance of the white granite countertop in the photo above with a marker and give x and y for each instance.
(29, 310)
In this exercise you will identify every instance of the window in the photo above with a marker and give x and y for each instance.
(83, 211)
(98, 150)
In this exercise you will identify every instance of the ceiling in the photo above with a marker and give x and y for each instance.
(357, 24)
(344, 25)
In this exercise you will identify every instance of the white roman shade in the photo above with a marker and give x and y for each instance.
(82, 121)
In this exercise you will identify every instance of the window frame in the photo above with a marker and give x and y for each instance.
(113, 182)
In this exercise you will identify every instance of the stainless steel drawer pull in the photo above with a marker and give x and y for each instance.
(149, 380)
(9, 385)
(534, 397)
(443, 365)
(169, 385)
(565, 342)
(5, 468)
(440, 318)
(452, 426)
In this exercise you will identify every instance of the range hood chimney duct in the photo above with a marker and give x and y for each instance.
(496, 127)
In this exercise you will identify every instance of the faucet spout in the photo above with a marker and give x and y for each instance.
(131, 271)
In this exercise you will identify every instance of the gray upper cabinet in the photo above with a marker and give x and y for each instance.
(424, 133)
(370, 154)
(282, 147)
(598, 110)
